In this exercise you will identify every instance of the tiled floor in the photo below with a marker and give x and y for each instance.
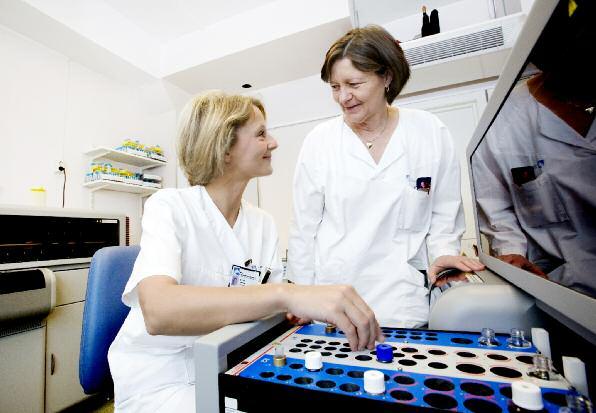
(95, 404)
(108, 407)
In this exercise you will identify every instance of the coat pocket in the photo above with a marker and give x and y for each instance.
(538, 202)
(415, 210)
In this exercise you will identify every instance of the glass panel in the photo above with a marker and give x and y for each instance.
(534, 171)
(25, 238)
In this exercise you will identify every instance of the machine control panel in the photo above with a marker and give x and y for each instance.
(422, 370)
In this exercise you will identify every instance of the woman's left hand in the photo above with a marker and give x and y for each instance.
(297, 321)
(453, 261)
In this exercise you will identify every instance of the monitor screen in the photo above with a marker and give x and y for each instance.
(533, 163)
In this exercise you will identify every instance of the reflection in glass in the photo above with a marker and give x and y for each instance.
(534, 172)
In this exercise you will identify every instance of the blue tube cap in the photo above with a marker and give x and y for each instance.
(384, 353)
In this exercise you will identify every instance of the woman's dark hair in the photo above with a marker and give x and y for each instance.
(370, 49)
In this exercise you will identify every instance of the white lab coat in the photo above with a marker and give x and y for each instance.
(551, 219)
(366, 224)
(187, 238)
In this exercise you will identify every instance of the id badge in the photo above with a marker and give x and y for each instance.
(242, 276)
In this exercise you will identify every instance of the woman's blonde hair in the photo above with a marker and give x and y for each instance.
(207, 130)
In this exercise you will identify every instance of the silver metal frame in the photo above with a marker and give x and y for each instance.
(211, 353)
(564, 304)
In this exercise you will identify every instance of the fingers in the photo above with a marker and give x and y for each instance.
(432, 275)
(522, 262)
(366, 325)
(340, 305)
(454, 261)
(530, 266)
(350, 331)
(474, 264)
(297, 320)
(466, 264)
(379, 333)
(374, 330)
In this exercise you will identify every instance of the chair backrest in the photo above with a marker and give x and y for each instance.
(104, 314)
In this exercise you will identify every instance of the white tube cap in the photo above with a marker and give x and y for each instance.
(575, 372)
(541, 341)
(374, 382)
(313, 360)
(526, 395)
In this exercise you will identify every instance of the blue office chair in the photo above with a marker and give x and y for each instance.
(104, 314)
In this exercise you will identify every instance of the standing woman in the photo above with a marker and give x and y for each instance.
(192, 237)
(377, 189)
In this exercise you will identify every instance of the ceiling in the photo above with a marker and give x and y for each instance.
(193, 44)
(199, 44)
(167, 20)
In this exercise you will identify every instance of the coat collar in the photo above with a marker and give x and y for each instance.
(552, 127)
(224, 235)
(356, 149)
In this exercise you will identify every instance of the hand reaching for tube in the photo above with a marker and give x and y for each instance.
(339, 305)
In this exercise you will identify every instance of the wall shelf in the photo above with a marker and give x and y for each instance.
(120, 187)
(138, 161)
(142, 162)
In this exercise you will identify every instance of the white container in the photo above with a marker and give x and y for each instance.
(526, 395)
(313, 361)
(38, 196)
(374, 382)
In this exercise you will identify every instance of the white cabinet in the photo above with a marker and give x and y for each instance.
(22, 371)
(63, 339)
(62, 357)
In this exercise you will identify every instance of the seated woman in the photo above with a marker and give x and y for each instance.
(191, 238)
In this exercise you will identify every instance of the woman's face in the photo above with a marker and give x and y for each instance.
(359, 94)
(250, 156)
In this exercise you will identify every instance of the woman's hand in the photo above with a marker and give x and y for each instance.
(339, 305)
(522, 262)
(453, 261)
(297, 320)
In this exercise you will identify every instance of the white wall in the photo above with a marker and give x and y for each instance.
(53, 109)
(293, 109)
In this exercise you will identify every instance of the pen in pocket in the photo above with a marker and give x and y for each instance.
(266, 276)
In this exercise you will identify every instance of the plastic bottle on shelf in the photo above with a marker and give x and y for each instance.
(38, 196)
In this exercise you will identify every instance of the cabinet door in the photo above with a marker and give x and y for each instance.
(62, 357)
(71, 285)
(22, 371)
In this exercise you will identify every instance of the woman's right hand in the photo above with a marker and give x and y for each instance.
(339, 305)
(522, 262)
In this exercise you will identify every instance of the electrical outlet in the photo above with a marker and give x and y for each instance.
(61, 167)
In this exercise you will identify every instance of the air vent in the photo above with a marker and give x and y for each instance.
(456, 46)
(20, 326)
